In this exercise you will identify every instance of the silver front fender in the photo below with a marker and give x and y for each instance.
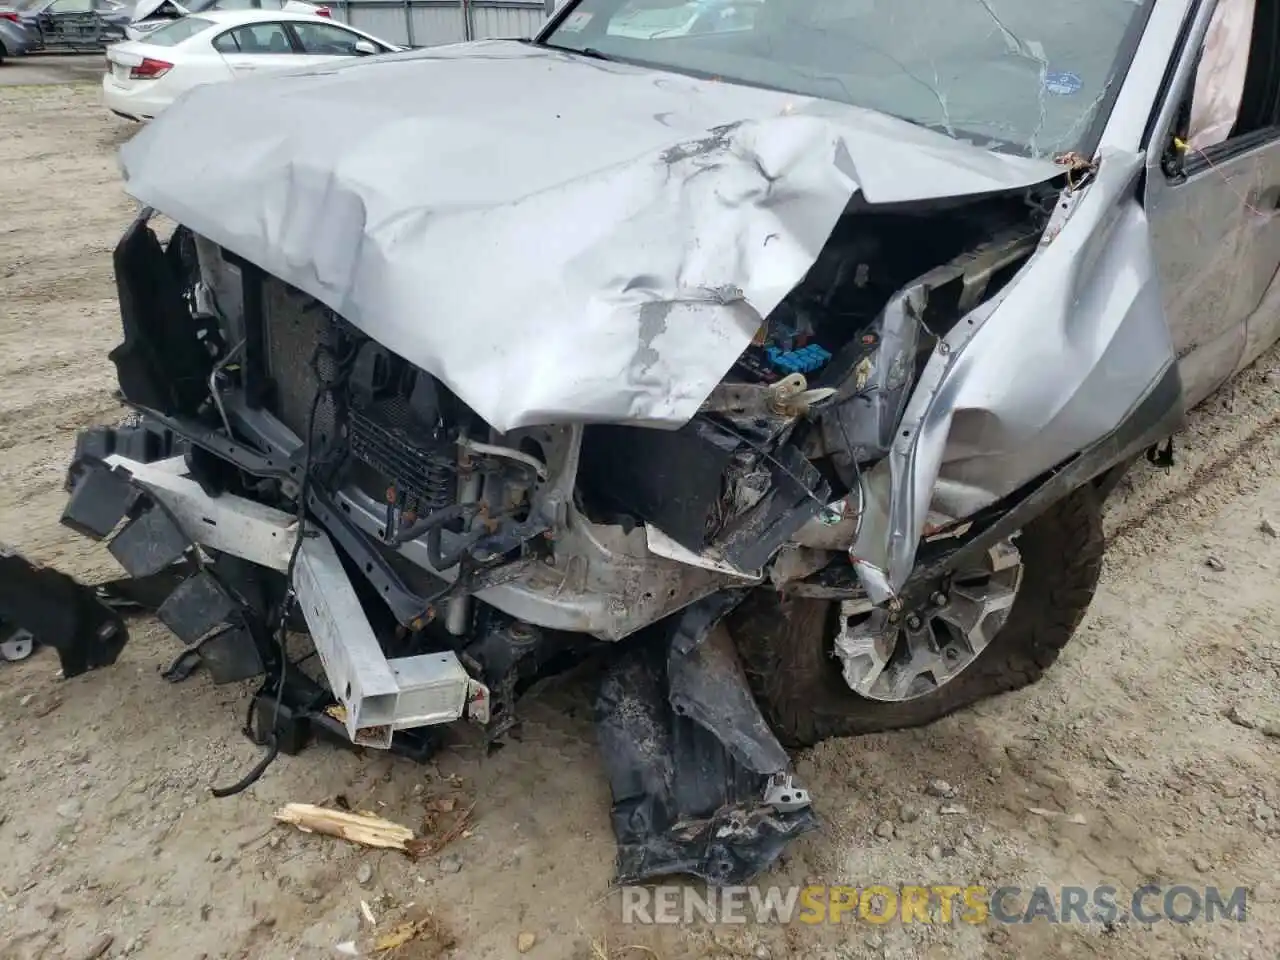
(1046, 370)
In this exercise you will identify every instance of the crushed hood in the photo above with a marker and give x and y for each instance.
(556, 238)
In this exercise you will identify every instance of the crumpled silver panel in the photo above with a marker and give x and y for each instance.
(1057, 361)
(557, 239)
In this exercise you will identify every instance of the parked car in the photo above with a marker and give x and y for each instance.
(149, 15)
(145, 76)
(15, 39)
(786, 369)
(77, 25)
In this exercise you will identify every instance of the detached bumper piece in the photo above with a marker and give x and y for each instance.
(147, 540)
(379, 696)
(226, 559)
(39, 605)
(700, 785)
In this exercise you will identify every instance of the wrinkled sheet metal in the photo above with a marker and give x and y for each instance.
(558, 239)
(1041, 372)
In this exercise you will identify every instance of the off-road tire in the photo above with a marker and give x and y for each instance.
(786, 642)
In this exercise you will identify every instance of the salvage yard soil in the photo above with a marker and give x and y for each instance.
(1146, 755)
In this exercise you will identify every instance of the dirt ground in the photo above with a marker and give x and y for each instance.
(41, 68)
(108, 829)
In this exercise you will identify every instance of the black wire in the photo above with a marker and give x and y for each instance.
(273, 751)
(286, 604)
(322, 389)
(303, 489)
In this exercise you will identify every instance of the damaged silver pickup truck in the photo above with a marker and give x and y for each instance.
(784, 367)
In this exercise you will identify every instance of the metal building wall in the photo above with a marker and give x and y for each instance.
(429, 23)
(493, 22)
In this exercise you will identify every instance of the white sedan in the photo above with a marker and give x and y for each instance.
(151, 15)
(145, 76)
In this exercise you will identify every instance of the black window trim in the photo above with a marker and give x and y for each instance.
(1230, 149)
(1237, 145)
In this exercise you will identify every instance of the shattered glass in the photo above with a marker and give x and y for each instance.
(1023, 76)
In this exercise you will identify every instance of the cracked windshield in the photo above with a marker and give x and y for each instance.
(1026, 76)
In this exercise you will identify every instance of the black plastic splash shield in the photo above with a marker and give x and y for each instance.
(688, 781)
(161, 363)
(60, 613)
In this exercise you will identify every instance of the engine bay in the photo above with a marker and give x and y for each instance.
(456, 507)
(858, 330)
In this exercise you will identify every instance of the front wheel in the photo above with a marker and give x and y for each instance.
(824, 669)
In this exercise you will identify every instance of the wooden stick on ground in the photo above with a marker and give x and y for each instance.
(358, 828)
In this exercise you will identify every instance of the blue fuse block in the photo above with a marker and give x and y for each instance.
(805, 360)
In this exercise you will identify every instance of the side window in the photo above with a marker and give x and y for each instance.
(234, 5)
(257, 38)
(1233, 101)
(321, 39)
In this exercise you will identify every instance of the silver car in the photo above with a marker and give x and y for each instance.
(15, 39)
(788, 364)
(69, 25)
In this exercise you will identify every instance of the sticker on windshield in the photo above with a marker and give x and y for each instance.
(575, 22)
(1063, 83)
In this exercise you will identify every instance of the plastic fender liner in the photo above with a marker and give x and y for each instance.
(690, 758)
